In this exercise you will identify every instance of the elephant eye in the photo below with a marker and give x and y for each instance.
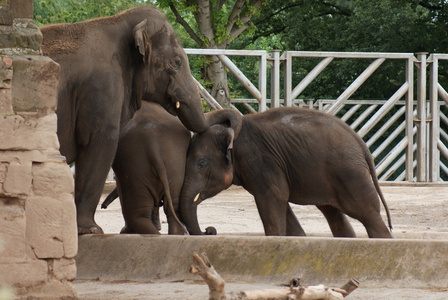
(202, 163)
(175, 63)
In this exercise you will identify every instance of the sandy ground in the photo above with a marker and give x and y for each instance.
(416, 211)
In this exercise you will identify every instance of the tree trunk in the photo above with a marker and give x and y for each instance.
(215, 72)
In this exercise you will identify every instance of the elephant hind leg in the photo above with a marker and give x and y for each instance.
(339, 225)
(293, 227)
(366, 209)
(142, 225)
(375, 226)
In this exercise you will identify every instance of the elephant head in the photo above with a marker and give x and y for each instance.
(209, 167)
(164, 76)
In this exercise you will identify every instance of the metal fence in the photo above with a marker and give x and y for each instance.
(406, 133)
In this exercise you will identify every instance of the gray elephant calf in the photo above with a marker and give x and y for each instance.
(295, 155)
(150, 165)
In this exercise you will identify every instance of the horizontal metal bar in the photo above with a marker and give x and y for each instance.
(364, 102)
(438, 56)
(191, 51)
(253, 100)
(376, 55)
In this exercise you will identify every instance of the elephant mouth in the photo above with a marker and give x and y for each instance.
(172, 109)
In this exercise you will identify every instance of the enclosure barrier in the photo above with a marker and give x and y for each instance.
(404, 132)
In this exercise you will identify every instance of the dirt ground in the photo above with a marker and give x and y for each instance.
(416, 211)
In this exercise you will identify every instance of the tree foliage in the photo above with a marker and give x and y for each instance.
(309, 25)
(70, 11)
(213, 23)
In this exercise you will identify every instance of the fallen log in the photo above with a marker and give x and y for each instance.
(216, 285)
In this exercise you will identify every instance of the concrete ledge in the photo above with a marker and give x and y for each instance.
(145, 258)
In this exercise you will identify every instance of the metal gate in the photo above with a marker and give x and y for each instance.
(404, 138)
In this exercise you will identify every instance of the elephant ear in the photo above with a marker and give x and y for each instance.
(229, 136)
(142, 40)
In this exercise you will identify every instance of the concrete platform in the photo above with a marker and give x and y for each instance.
(414, 265)
(145, 258)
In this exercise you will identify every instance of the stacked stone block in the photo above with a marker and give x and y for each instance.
(38, 233)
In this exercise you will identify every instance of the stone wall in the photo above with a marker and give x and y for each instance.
(38, 234)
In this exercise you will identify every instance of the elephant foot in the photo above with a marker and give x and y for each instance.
(210, 230)
(126, 229)
(90, 230)
(157, 224)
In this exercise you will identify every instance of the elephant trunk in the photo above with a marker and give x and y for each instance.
(232, 118)
(189, 216)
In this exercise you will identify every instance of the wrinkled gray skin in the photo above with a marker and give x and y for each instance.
(155, 217)
(107, 66)
(295, 155)
(149, 166)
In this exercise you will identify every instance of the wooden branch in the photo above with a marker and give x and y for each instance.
(245, 18)
(187, 27)
(234, 14)
(204, 268)
(216, 285)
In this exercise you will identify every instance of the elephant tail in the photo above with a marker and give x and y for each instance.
(168, 201)
(376, 183)
(110, 198)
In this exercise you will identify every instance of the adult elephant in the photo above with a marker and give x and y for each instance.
(286, 155)
(107, 66)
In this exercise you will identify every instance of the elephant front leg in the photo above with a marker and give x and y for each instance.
(89, 183)
(91, 168)
(273, 215)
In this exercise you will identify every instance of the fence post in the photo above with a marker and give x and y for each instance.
(434, 110)
(262, 84)
(410, 120)
(288, 80)
(421, 117)
(275, 78)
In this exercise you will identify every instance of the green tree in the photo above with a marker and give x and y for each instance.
(70, 11)
(214, 24)
(352, 26)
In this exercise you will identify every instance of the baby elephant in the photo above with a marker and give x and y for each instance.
(287, 154)
(149, 166)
